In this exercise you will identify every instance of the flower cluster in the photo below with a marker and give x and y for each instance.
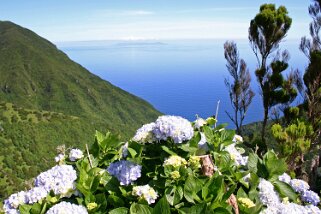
(194, 162)
(145, 134)
(125, 171)
(236, 155)
(238, 139)
(146, 192)
(246, 202)
(75, 154)
(287, 208)
(175, 161)
(174, 127)
(59, 179)
(270, 198)
(302, 187)
(66, 207)
(267, 194)
(14, 201)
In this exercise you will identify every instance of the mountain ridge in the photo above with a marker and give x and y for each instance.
(46, 100)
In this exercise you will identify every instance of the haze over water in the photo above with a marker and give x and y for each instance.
(178, 77)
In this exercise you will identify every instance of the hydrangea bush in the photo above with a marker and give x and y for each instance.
(169, 166)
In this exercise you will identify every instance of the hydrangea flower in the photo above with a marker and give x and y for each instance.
(59, 158)
(203, 142)
(310, 197)
(194, 162)
(285, 178)
(59, 179)
(199, 122)
(15, 200)
(238, 139)
(75, 154)
(66, 207)
(145, 134)
(174, 127)
(36, 194)
(146, 192)
(124, 150)
(267, 194)
(236, 155)
(287, 208)
(299, 185)
(175, 161)
(246, 202)
(125, 171)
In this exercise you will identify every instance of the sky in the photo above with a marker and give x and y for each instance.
(86, 20)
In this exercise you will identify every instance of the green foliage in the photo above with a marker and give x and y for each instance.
(294, 142)
(46, 99)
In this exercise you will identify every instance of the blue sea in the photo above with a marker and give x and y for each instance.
(183, 78)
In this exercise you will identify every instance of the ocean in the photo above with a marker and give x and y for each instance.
(183, 78)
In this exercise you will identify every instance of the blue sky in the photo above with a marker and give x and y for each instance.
(82, 20)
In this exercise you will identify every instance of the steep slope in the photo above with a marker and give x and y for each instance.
(47, 100)
(35, 74)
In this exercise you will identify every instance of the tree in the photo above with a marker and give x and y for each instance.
(312, 76)
(266, 31)
(240, 92)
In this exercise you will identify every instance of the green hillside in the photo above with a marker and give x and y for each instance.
(46, 100)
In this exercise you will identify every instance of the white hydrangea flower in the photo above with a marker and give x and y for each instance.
(238, 139)
(145, 134)
(175, 161)
(75, 154)
(236, 155)
(66, 207)
(203, 142)
(267, 194)
(199, 122)
(146, 192)
(124, 150)
(174, 127)
(59, 158)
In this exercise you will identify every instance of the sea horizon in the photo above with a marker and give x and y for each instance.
(178, 77)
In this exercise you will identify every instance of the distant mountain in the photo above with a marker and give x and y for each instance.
(46, 99)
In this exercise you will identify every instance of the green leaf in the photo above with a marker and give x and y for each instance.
(140, 209)
(191, 188)
(120, 210)
(252, 162)
(221, 210)
(174, 194)
(285, 190)
(198, 209)
(162, 207)
(115, 201)
(24, 209)
(132, 152)
(95, 183)
(274, 165)
(167, 150)
(35, 209)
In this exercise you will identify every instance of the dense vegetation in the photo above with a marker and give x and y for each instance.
(47, 100)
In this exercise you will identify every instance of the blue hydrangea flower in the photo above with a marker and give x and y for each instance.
(125, 171)
(35, 194)
(75, 154)
(299, 185)
(285, 178)
(267, 194)
(174, 127)
(310, 197)
(59, 179)
(66, 207)
(14, 201)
